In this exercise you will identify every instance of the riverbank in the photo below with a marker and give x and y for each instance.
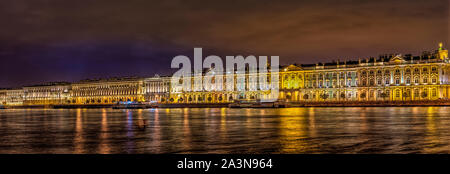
(290, 104)
(371, 104)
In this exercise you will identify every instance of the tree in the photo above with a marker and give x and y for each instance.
(324, 96)
(383, 95)
(363, 95)
(306, 96)
(424, 94)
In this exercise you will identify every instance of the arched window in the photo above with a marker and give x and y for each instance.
(433, 80)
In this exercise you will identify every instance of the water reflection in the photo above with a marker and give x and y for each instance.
(78, 139)
(223, 130)
(293, 134)
(104, 146)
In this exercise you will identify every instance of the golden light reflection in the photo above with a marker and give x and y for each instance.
(312, 122)
(292, 133)
(79, 139)
(223, 115)
(104, 146)
(186, 139)
(432, 137)
(156, 135)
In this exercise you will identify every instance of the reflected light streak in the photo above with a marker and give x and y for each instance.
(79, 139)
(104, 146)
(292, 132)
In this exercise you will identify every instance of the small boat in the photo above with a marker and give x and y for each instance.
(129, 105)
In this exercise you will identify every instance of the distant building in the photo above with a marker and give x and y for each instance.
(106, 91)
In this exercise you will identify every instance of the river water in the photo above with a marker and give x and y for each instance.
(223, 130)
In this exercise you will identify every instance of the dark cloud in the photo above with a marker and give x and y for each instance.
(49, 40)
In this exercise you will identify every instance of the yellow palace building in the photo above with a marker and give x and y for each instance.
(387, 78)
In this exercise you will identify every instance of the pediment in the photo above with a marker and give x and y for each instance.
(397, 59)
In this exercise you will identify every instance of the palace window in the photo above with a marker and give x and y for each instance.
(425, 80)
(408, 80)
(434, 92)
(408, 71)
(371, 72)
(416, 80)
(387, 81)
(379, 72)
(425, 70)
(433, 80)
(397, 81)
(379, 81)
(397, 93)
(416, 70)
(433, 69)
(387, 72)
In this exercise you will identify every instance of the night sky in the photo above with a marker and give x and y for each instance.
(70, 40)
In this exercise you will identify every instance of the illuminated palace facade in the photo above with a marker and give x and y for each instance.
(387, 78)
